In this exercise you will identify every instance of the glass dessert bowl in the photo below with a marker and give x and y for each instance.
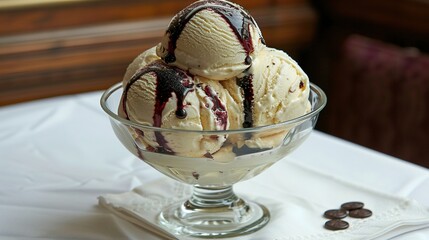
(212, 161)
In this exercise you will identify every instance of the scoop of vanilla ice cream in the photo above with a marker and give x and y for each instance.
(159, 95)
(280, 87)
(212, 39)
(273, 90)
(277, 86)
(139, 62)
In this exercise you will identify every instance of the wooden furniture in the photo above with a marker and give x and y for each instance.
(372, 59)
(65, 48)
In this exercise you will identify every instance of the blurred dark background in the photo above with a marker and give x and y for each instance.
(370, 56)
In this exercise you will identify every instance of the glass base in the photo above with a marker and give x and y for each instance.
(214, 213)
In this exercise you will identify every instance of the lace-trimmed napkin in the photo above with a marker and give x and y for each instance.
(297, 197)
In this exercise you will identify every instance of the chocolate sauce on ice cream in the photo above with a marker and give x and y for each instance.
(245, 83)
(236, 17)
(218, 107)
(169, 80)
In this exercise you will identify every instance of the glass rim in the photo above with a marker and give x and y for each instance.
(313, 87)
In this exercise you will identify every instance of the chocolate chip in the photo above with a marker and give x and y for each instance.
(352, 209)
(335, 214)
(360, 213)
(248, 60)
(196, 175)
(181, 113)
(336, 224)
(352, 205)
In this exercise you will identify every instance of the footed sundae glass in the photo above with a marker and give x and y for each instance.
(213, 210)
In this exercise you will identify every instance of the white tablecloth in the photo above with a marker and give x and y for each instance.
(58, 155)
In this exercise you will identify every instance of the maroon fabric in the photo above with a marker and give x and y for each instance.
(380, 98)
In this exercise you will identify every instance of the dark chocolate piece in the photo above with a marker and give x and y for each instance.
(352, 205)
(335, 214)
(360, 213)
(336, 224)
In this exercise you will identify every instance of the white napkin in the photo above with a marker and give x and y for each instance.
(296, 195)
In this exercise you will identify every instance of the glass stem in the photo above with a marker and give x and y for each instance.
(214, 212)
(213, 197)
(217, 204)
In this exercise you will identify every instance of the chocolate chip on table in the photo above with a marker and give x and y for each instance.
(352, 205)
(360, 213)
(335, 214)
(336, 224)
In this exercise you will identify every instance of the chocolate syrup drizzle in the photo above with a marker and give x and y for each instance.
(245, 83)
(169, 80)
(218, 108)
(237, 18)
